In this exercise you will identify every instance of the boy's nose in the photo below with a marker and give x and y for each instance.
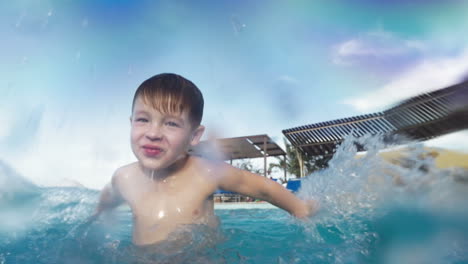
(154, 133)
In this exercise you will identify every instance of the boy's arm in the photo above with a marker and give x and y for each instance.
(250, 184)
(110, 197)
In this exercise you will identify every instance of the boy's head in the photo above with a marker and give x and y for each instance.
(166, 113)
(172, 94)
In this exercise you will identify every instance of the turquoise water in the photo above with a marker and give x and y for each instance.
(365, 218)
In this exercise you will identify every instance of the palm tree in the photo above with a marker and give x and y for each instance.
(246, 164)
(293, 161)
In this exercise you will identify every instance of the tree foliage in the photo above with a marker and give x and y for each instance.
(246, 164)
(292, 162)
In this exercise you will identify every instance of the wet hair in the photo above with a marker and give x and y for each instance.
(172, 94)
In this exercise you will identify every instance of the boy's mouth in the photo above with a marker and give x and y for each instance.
(152, 151)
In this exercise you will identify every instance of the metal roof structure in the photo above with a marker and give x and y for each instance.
(248, 147)
(418, 118)
(432, 114)
(322, 138)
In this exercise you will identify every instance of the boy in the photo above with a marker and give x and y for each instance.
(166, 187)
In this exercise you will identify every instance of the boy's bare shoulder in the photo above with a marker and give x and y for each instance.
(203, 171)
(123, 180)
(212, 168)
(124, 172)
(202, 163)
(127, 168)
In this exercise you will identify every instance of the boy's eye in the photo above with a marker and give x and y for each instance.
(141, 119)
(172, 123)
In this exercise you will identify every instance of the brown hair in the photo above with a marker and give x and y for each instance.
(172, 93)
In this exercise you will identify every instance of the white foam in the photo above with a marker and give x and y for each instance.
(232, 206)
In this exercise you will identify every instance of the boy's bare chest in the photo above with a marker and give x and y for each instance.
(179, 201)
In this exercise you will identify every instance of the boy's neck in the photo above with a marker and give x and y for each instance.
(165, 173)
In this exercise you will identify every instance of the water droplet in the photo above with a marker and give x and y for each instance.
(20, 20)
(237, 26)
(130, 70)
(84, 22)
(161, 214)
(25, 60)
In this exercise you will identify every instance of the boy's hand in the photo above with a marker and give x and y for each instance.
(308, 208)
(94, 216)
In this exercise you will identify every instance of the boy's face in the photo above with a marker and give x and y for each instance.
(158, 140)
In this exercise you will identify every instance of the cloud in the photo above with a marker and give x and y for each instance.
(375, 47)
(455, 141)
(429, 75)
(7, 122)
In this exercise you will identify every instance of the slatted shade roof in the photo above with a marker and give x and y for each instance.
(433, 114)
(322, 138)
(420, 117)
(255, 146)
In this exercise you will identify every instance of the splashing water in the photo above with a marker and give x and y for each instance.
(372, 211)
(409, 212)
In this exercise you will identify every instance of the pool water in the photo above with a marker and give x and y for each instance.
(365, 218)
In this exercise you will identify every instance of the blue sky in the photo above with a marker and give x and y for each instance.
(69, 69)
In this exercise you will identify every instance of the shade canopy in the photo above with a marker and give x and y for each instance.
(322, 138)
(256, 146)
(419, 118)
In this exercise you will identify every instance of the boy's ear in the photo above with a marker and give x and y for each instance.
(196, 135)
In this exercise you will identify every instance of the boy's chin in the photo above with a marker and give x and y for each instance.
(151, 165)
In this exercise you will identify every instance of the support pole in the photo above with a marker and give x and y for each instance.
(285, 167)
(301, 163)
(265, 156)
